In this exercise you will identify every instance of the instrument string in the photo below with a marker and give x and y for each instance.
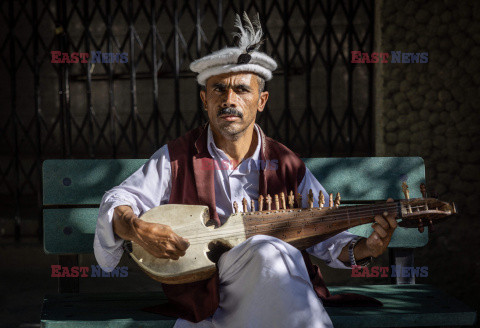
(358, 210)
(240, 229)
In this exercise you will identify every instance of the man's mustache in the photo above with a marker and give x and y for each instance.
(230, 111)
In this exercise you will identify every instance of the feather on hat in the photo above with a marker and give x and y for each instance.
(245, 57)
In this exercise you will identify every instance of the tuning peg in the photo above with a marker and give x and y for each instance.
(423, 190)
(407, 195)
(310, 199)
(269, 202)
(330, 201)
(245, 204)
(337, 200)
(405, 190)
(235, 206)
(430, 226)
(282, 201)
(277, 202)
(420, 225)
(291, 199)
(299, 200)
(321, 199)
(260, 203)
(252, 205)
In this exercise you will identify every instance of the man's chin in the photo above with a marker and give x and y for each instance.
(224, 124)
(231, 129)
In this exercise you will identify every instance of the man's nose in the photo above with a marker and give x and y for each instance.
(230, 98)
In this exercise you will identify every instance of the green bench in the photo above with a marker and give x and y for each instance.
(72, 190)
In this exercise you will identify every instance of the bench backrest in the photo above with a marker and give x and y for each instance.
(73, 189)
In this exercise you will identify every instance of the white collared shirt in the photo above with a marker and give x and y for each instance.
(150, 186)
(234, 184)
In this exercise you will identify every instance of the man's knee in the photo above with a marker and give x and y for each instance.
(260, 253)
(267, 248)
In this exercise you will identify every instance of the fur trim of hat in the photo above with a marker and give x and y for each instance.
(243, 58)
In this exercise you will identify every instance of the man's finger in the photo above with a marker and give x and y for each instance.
(379, 229)
(381, 221)
(181, 243)
(156, 252)
(375, 239)
(179, 252)
(172, 250)
(176, 253)
(170, 247)
(392, 222)
(174, 257)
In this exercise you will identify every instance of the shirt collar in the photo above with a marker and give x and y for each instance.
(247, 164)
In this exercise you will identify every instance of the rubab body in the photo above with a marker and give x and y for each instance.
(301, 227)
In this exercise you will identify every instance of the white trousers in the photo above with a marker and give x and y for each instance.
(264, 283)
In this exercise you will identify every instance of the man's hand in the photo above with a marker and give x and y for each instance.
(383, 227)
(157, 239)
(377, 242)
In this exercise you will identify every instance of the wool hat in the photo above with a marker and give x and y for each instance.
(245, 57)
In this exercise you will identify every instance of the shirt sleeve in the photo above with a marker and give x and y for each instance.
(148, 187)
(329, 249)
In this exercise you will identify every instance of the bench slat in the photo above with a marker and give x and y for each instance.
(373, 178)
(83, 181)
(369, 178)
(75, 182)
(71, 231)
(404, 306)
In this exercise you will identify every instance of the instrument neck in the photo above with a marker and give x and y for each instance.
(306, 227)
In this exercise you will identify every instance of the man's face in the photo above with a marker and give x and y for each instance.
(232, 101)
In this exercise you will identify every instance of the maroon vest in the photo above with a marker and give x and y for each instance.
(193, 184)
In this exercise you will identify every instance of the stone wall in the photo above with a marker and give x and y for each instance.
(431, 110)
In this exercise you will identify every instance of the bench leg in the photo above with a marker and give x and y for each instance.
(402, 257)
(68, 285)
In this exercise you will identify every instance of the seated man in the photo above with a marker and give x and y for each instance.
(263, 282)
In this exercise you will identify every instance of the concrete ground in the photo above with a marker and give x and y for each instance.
(25, 278)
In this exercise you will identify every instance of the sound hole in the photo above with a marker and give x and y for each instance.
(216, 248)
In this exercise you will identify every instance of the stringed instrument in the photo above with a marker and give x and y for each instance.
(300, 227)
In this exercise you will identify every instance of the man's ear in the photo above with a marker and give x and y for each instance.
(203, 97)
(262, 100)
